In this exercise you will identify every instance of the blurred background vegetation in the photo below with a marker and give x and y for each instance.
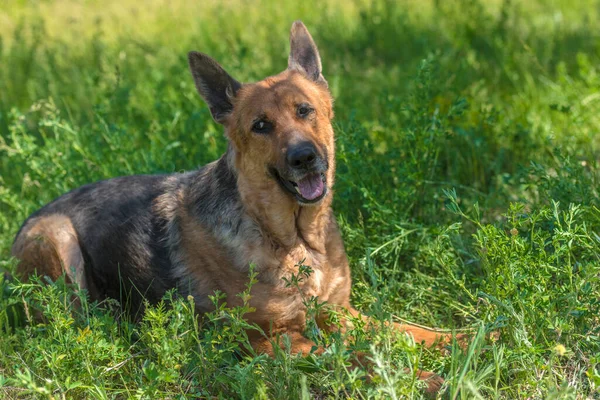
(467, 185)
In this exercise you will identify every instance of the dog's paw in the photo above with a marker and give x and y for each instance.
(493, 336)
(433, 381)
(463, 340)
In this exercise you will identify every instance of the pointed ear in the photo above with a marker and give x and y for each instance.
(304, 56)
(215, 85)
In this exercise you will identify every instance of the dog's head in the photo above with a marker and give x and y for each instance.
(279, 128)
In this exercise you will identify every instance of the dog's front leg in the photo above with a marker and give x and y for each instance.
(299, 344)
(430, 337)
(426, 336)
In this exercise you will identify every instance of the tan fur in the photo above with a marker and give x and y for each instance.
(273, 209)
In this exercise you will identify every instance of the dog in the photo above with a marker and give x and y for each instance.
(265, 202)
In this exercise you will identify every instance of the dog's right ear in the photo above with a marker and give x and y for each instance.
(215, 85)
(304, 56)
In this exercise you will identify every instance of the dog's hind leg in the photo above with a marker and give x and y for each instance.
(48, 246)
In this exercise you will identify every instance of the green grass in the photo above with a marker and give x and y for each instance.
(467, 189)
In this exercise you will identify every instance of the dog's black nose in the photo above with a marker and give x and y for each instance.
(302, 155)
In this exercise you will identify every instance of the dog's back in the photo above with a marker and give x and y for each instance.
(110, 227)
(122, 238)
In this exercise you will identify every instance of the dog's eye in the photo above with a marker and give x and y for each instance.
(303, 110)
(262, 126)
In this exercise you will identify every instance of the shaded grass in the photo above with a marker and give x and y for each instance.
(467, 189)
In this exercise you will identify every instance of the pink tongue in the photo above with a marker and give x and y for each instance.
(311, 186)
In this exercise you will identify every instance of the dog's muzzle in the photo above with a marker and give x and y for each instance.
(304, 175)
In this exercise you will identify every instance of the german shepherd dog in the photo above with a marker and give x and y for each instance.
(266, 201)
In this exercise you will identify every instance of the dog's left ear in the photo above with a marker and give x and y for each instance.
(304, 56)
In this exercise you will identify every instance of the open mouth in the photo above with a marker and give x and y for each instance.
(309, 189)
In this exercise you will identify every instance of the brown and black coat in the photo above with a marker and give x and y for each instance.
(266, 202)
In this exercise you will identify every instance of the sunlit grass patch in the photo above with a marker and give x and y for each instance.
(466, 191)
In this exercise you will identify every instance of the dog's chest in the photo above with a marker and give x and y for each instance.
(300, 268)
(287, 283)
(288, 277)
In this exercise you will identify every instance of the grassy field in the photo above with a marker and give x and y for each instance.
(467, 189)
